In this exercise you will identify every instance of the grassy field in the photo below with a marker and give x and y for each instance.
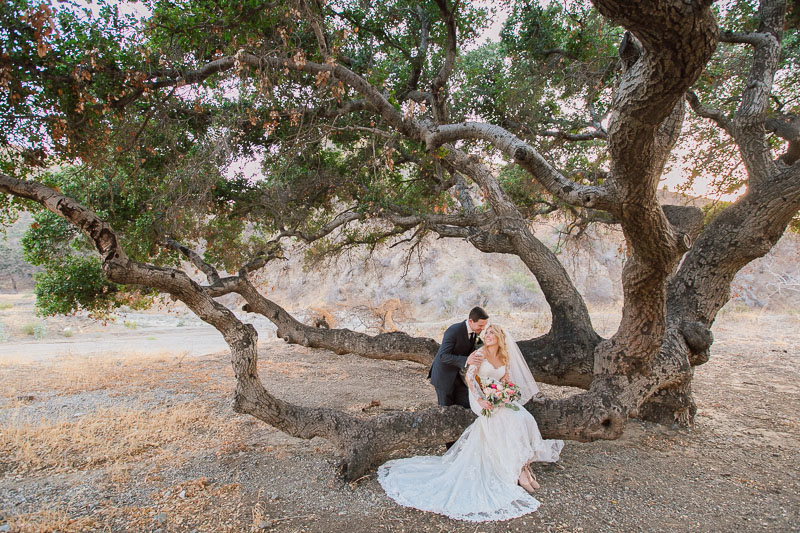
(137, 440)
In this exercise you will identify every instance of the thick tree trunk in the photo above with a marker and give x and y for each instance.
(671, 405)
(558, 358)
(745, 231)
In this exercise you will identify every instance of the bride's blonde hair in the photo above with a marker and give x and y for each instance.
(502, 349)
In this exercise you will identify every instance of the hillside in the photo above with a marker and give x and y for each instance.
(15, 274)
(445, 277)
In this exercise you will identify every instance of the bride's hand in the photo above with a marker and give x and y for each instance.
(475, 358)
(484, 404)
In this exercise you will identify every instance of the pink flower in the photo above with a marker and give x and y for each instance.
(493, 386)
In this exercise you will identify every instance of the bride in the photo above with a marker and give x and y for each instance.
(485, 474)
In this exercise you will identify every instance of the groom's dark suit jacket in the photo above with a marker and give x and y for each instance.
(451, 357)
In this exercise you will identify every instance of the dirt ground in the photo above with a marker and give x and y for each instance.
(129, 428)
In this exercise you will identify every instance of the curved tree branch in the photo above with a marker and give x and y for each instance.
(316, 19)
(558, 51)
(375, 30)
(524, 155)
(751, 113)
(422, 51)
(221, 286)
(346, 108)
(753, 39)
(709, 113)
(395, 346)
(439, 84)
(340, 220)
(787, 127)
(211, 273)
(743, 232)
(571, 321)
(587, 136)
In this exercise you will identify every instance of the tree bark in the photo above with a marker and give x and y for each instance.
(742, 232)
(392, 346)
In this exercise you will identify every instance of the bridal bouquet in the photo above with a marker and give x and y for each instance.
(500, 394)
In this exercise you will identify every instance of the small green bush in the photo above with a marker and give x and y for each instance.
(35, 329)
(39, 331)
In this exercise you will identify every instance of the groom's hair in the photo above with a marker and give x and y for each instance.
(478, 313)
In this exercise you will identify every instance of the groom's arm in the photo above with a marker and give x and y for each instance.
(446, 354)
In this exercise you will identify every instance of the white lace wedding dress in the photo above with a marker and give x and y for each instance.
(476, 480)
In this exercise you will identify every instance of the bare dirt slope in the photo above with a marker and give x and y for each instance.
(130, 439)
(15, 274)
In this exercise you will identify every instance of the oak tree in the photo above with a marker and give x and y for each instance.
(375, 123)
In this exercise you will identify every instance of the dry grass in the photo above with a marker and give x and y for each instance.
(52, 519)
(149, 457)
(195, 504)
(605, 318)
(107, 435)
(118, 441)
(198, 503)
(76, 373)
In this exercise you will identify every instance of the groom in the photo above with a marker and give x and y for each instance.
(456, 353)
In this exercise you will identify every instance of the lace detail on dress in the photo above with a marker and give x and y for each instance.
(473, 383)
(469, 505)
(476, 479)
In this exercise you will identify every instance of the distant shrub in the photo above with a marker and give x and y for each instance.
(39, 331)
(5, 305)
(523, 280)
(521, 288)
(3, 334)
(130, 324)
(35, 329)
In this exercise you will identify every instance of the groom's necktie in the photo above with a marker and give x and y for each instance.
(472, 339)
